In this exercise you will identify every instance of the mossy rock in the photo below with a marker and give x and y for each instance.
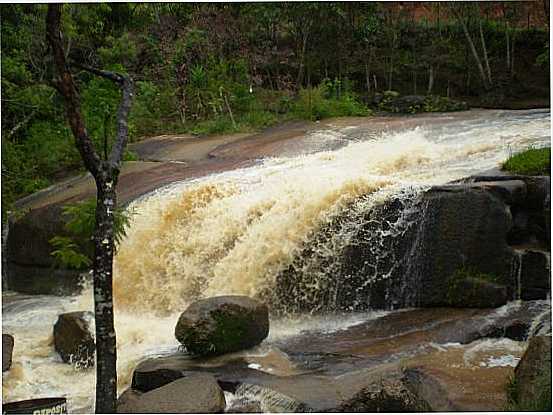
(480, 291)
(220, 325)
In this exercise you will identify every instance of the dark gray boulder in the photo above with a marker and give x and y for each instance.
(532, 381)
(447, 246)
(73, 338)
(464, 233)
(220, 325)
(7, 350)
(535, 275)
(192, 393)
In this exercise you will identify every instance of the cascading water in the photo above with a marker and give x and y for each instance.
(244, 231)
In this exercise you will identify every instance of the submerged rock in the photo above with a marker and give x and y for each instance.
(222, 325)
(192, 393)
(7, 350)
(73, 339)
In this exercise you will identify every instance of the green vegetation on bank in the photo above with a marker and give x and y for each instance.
(532, 162)
(223, 68)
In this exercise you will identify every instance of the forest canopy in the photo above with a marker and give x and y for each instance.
(218, 68)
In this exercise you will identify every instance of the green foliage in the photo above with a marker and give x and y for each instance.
(434, 103)
(191, 62)
(321, 102)
(219, 125)
(66, 253)
(533, 162)
(80, 223)
(543, 58)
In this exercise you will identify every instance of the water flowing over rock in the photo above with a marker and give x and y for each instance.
(7, 350)
(73, 338)
(193, 393)
(223, 324)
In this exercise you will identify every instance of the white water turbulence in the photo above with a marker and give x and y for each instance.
(235, 232)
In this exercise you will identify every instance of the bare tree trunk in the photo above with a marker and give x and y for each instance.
(475, 54)
(513, 39)
(430, 80)
(299, 79)
(105, 173)
(368, 79)
(485, 52)
(508, 57)
(390, 74)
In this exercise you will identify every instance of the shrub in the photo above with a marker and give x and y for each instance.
(318, 103)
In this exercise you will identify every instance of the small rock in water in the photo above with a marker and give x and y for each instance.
(73, 339)
(7, 350)
(220, 325)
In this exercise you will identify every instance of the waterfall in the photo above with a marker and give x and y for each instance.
(321, 231)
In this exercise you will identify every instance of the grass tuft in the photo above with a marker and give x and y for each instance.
(532, 162)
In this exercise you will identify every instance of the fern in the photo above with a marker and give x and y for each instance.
(66, 253)
(80, 224)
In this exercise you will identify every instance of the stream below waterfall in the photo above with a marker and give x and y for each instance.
(235, 232)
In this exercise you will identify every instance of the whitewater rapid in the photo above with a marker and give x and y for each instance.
(234, 232)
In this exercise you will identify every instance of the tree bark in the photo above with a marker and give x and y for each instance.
(105, 173)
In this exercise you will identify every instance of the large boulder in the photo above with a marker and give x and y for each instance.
(463, 236)
(73, 338)
(7, 350)
(222, 325)
(445, 247)
(531, 390)
(192, 393)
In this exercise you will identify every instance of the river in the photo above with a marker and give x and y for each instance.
(234, 232)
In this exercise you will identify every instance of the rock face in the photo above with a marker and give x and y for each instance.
(223, 324)
(535, 274)
(192, 393)
(454, 245)
(532, 386)
(7, 350)
(464, 233)
(73, 339)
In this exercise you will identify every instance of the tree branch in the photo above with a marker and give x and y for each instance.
(125, 83)
(67, 88)
(118, 147)
(113, 76)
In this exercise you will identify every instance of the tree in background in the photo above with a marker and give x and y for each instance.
(105, 172)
